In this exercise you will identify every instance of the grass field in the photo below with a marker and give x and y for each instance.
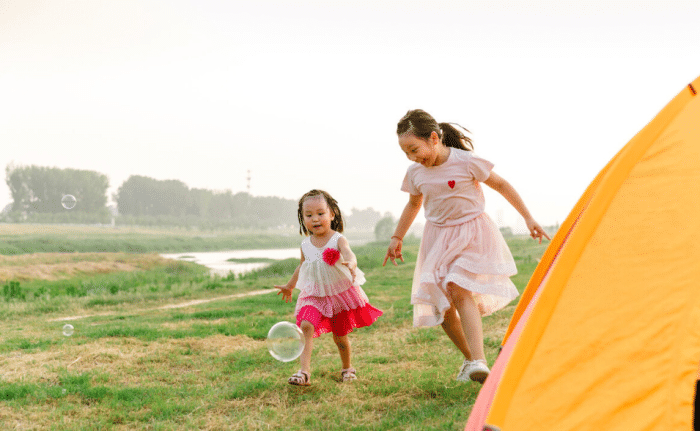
(167, 347)
(44, 238)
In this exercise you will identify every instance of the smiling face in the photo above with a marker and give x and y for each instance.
(426, 152)
(317, 216)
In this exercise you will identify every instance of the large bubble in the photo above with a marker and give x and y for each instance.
(285, 341)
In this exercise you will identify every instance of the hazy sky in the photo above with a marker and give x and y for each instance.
(306, 94)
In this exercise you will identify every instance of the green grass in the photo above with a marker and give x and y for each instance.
(50, 238)
(132, 364)
(22, 239)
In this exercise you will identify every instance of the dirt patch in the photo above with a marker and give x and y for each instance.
(54, 266)
(120, 357)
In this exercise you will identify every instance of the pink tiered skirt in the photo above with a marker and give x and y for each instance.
(331, 302)
(473, 256)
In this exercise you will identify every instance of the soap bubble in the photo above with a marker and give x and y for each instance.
(68, 329)
(68, 202)
(285, 341)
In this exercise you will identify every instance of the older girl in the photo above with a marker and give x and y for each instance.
(464, 265)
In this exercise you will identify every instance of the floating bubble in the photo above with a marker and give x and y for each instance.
(285, 341)
(68, 202)
(68, 329)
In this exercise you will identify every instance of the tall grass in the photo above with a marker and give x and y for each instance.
(132, 363)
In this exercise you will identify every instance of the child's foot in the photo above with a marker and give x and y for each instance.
(348, 374)
(300, 378)
(477, 371)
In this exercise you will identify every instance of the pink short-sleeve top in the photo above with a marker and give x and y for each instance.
(451, 191)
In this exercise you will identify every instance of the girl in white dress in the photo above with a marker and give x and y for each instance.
(464, 265)
(331, 299)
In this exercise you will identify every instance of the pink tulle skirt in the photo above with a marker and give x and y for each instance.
(341, 323)
(473, 256)
(331, 301)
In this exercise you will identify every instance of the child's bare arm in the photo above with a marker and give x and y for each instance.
(286, 289)
(503, 187)
(349, 258)
(409, 214)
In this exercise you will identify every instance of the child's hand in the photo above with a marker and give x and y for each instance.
(536, 231)
(352, 266)
(394, 251)
(286, 292)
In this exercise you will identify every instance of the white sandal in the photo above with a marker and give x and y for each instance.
(300, 378)
(348, 374)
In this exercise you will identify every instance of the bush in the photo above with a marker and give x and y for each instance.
(384, 228)
(12, 290)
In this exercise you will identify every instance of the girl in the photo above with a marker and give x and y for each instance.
(464, 264)
(331, 299)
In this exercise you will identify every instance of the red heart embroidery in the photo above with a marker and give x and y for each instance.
(451, 184)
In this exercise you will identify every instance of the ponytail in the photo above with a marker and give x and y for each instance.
(453, 137)
(421, 125)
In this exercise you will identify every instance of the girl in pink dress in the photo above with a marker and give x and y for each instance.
(331, 299)
(464, 265)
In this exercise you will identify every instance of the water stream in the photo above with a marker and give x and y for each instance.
(217, 261)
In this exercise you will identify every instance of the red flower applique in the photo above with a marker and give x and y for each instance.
(331, 256)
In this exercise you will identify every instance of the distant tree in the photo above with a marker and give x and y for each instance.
(384, 228)
(362, 219)
(198, 202)
(39, 189)
(222, 205)
(260, 211)
(175, 197)
(135, 196)
(273, 211)
(140, 195)
(143, 196)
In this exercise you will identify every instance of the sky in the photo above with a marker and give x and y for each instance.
(307, 94)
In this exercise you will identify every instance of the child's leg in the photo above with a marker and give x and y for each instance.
(471, 319)
(453, 328)
(343, 344)
(305, 359)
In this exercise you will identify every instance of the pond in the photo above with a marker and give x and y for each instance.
(218, 261)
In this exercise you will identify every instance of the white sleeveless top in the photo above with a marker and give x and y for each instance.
(322, 273)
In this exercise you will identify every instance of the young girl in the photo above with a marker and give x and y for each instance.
(464, 264)
(331, 299)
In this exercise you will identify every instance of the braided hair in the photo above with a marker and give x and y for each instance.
(336, 223)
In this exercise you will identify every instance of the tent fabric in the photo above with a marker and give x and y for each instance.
(483, 402)
(607, 333)
(482, 405)
(552, 251)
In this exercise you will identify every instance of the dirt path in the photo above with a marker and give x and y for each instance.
(170, 306)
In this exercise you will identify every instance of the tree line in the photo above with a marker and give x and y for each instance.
(37, 192)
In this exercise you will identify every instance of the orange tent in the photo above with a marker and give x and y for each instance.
(607, 333)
